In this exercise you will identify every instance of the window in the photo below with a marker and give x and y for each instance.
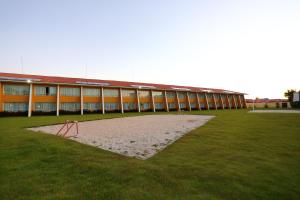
(193, 105)
(145, 106)
(45, 107)
(91, 92)
(129, 93)
(210, 104)
(144, 94)
(111, 93)
(209, 95)
(92, 106)
(171, 95)
(202, 105)
(172, 105)
(65, 91)
(181, 95)
(16, 89)
(45, 91)
(15, 107)
(159, 106)
(157, 94)
(202, 96)
(192, 95)
(111, 106)
(182, 105)
(217, 96)
(129, 106)
(71, 107)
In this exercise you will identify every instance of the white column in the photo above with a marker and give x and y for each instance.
(121, 101)
(178, 103)
(206, 101)
(81, 100)
(241, 105)
(102, 100)
(188, 99)
(153, 103)
(138, 100)
(233, 96)
(229, 103)
(57, 100)
(30, 101)
(222, 102)
(198, 101)
(166, 101)
(214, 99)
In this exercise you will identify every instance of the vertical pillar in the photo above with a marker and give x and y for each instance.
(178, 103)
(57, 100)
(198, 101)
(138, 100)
(222, 102)
(152, 99)
(166, 101)
(30, 101)
(188, 99)
(81, 100)
(240, 102)
(244, 102)
(229, 103)
(214, 100)
(206, 101)
(234, 101)
(121, 101)
(102, 101)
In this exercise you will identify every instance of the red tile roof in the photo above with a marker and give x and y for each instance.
(65, 80)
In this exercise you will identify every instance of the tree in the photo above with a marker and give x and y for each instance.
(289, 94)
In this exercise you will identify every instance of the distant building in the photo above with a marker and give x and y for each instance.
(268, 103)
(32, 94)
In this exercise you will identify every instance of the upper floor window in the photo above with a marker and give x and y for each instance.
(181, 95)
(202, 95)
(45, 91)
(129, 93)
(209, 95)
(171, 95)
(91, 92)
(144, 94)
(111, 93)
(192, 95)
(16, 89)
(157, 94)
(66, 91)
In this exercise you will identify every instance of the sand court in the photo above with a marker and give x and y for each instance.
(139, 136)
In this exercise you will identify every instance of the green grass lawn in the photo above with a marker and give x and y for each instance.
(236, 155)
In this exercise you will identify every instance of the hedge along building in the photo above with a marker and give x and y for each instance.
(33, 94)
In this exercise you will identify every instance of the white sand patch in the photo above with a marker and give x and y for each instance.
(140, 136)
(274, 111)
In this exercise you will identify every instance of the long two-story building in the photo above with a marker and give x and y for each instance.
(34, 94)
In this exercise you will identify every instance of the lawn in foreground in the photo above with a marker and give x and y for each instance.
(236, 155)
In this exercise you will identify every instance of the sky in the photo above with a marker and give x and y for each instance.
(250, 46)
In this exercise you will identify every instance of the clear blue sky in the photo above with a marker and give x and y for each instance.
(248, 46)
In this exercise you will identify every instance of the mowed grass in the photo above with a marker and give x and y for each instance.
(236, 155)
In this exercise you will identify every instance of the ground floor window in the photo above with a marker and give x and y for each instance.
(182, 105)
(45, 107)
(145, 106)
(92, 106)
(211, 105)
(15, 107)
(129, 106)
(172, 105)
(71, 107)
(111, 106)
(159, 106)
(202, 105)
(193, 105)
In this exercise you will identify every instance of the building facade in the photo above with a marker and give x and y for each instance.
(32, 94)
